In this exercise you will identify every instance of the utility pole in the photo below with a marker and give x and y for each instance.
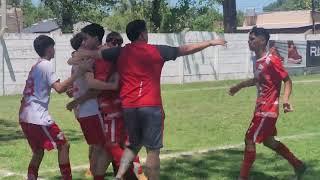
(313, 14)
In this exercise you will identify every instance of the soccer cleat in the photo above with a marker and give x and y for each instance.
(300, 171)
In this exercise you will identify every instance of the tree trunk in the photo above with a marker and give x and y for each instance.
(67, 19)
(230, 16)
(156, 16)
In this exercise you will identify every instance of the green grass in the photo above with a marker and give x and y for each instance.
(196, 119)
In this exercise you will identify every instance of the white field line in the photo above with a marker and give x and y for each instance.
(227, 87)
(5, 173)
(203, 151)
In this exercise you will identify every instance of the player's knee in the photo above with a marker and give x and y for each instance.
(250, 145)
(64, 147)
(271, 143)
(38, 153)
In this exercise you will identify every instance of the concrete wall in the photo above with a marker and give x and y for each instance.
(214, 63)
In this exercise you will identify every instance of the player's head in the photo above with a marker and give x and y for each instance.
(44, 46)
(290, 44)
(77, 40)
(94, 35)
(114, 39)
(258, 38)
(137, 30)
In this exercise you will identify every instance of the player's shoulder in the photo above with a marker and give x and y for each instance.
(274, 59)
(44, 65)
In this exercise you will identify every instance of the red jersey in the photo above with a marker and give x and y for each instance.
(269, 73)
(109, 101)
(139, 65)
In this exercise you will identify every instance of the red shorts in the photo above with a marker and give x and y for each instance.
(93, 129)
(115, 129)
(43, 137)
(261, 128)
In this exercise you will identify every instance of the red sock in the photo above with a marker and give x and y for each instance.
(32, 172)
(100, 177)
(248, 160)
(285, 153)
(65, 170)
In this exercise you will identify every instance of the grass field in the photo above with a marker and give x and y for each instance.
(198, 116)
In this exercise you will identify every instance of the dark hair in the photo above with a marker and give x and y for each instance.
(261, 32)
(41, 43)
(94, 30)
(135, 28)
(76, 40)
(115, 38)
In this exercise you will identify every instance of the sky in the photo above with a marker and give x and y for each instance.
(241, 4)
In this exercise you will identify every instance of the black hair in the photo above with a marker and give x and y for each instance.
(135, 28)
(115, 38)
(76, 40)
(258, 31)
(41, 43)
(94, 30)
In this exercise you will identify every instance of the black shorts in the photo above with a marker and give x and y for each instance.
(145, 126)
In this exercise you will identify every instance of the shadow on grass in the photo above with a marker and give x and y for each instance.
(226, 164)
(10, 130)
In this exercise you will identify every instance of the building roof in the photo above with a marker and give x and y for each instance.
(45, 26)
(283, 20)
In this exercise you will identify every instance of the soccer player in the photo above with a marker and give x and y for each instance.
(37, 125)
(88, 113)
(268, 76)
(139, 65)
(110, 107)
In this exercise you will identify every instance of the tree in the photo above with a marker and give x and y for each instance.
(33, 14)
(230, 16)
(285, 5)
(70, 11)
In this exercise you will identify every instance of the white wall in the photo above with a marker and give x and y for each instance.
(214, 63)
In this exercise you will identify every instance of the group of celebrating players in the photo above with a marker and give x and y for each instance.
(117, 101)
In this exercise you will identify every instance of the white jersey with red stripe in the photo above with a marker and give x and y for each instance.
(36, 94)
(89, 107)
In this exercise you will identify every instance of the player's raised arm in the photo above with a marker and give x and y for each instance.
(196, 47)
(247, 83)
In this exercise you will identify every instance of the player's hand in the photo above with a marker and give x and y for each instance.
(233, 90)
(69, 92)
(287, 108)
(71, 105)
(216, 42)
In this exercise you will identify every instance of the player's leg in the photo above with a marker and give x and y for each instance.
(101, 159)
(138, 170)
(36, 138)
(153, 120)
(248, 159)
(282, 150)
(35, 164)
(88, 172)
(152, 166)
(64, 161)
(250, 148)
(133, 126)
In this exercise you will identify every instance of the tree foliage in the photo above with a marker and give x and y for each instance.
(285, 5)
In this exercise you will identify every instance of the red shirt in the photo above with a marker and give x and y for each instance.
(269, 72)
(109, 101)
(139, 65)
